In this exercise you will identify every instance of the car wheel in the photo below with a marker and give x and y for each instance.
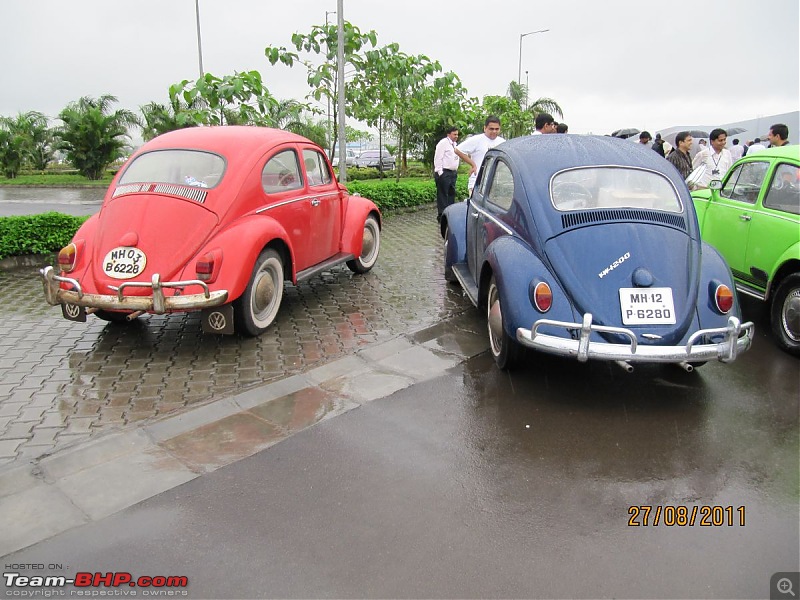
(504, 349)
(785, 314)
(257, 307)
(111, 316)
(370, 247)
(449, 276)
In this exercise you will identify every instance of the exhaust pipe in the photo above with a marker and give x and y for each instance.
(686, 366)
(625, 365)
(135, 315)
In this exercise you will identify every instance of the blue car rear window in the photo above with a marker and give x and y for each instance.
(588, 188)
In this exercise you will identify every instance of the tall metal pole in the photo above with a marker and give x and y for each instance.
(340, 90)
(522, 35)
(199, 44)
(331, 141)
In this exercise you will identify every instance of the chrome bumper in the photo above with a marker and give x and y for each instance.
(738, 338)
(158, 303)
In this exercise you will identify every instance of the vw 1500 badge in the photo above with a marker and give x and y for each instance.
(124, 262)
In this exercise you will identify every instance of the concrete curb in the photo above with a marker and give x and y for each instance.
(92, 480)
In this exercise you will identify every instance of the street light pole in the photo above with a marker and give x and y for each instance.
(340, 90)
(199, 45)
(331, 142)
(522, 35)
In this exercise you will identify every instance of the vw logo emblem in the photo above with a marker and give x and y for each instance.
(216, 320)
(72, 310)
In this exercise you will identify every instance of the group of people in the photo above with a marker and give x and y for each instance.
(716, 158)
(448, 154)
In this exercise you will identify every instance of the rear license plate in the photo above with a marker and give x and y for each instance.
(124, 262)
(647, 306)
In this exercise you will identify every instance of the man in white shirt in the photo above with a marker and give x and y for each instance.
(716, 159)
(737, 150)
(477, 146)
(756, 146)
(445, 170)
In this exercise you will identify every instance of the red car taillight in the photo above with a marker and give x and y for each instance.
(542, 297)
(723, 298)
(204, 267)
(67, 257)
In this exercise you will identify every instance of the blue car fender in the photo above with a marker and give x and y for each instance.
(714, 271)
(454, 221)
(517, 270)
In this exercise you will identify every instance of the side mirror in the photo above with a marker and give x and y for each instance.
(715, 184)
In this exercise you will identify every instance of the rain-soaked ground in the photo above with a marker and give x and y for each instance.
(62, 382)
(558, 480)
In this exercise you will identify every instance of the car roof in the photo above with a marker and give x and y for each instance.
(543, 155)
(537, 158)
(788, 151)
(231, 140)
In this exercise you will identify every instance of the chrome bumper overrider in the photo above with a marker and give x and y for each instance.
(158, 303)
(738, 337)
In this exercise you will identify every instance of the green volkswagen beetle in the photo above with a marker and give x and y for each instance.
(752, 216)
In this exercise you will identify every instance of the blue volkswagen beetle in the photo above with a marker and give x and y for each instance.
(588, 247)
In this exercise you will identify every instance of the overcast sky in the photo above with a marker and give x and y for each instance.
(609, 64)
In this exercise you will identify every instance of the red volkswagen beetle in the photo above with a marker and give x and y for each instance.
(213, 219)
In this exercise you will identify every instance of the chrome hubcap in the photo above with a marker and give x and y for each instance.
(790, 315)
(368, 243)
(495, 322)
(264, 292)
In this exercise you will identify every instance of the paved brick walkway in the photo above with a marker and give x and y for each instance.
(62, 382)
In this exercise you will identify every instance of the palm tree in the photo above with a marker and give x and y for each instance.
(27, 140)
(92, 136)
(518, 92)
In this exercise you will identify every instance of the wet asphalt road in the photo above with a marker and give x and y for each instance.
(481, 484)
(477, 483)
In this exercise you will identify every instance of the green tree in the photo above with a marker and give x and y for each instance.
(238, 99)
(176, 114)
(515, 122)
(384, 92)
(13, 149)
(92, 136)
(27, 140)
(322, 41)
(316, 132)
(437, 106)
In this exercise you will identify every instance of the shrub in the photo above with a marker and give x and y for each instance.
(393, 195)
(37, 234)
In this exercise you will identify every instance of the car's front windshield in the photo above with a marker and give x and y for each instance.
(588, 188)
(184, 167)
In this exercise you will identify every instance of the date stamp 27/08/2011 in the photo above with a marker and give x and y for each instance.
(645, 515)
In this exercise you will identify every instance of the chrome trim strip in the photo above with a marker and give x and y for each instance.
(493, 219)
(285, 202)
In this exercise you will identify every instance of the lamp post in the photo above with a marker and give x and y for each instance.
(331, 150)
(522, 35)
(199, 45)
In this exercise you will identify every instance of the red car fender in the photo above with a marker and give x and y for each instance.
(85, 234)
(356, 211)
(240, 245)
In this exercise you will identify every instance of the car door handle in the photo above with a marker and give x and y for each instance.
(315, 202)
(475, 215)
(745, 217)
